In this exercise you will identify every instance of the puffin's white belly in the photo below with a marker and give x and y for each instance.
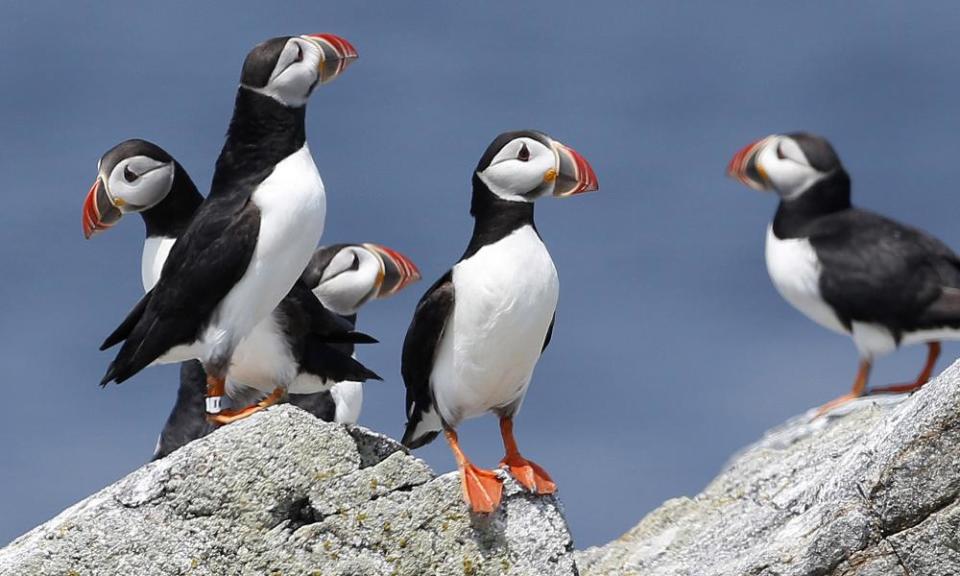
(504, 299)
(348, 396)
(795, 272)
(263, 359)
(155, 252)
(292, 207)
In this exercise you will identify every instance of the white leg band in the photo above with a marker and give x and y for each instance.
(213, 404)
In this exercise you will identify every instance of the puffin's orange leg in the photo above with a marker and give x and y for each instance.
(533, 477)
(933, 352)
(228, 416)
(859, 387)
(481, 488)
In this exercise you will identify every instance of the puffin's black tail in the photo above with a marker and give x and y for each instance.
(324, 361)
(423, 424)
(118, 369)
(348, 337)
(125, 327)
(412, 439)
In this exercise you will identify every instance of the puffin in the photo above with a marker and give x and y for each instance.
(880, 282)
(243, 252)
(343, 277)
(478, 332)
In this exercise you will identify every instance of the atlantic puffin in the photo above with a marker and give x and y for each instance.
(248, 243)
(478, 332)
(857, 273)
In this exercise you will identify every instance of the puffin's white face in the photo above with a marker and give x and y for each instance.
(287, 69)
(351, 278)
(138, 183)
(295, 74)
(522, 171)
(788, 164)
(787, 168)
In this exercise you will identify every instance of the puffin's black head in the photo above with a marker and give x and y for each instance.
(133, 176)
(289, 67)
(790, 164)
(346, 276)
(525, 165)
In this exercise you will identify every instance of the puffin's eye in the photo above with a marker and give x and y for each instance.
(299, 57)
(524, 153)
(129, 175)
(355, 265)
(780, 153)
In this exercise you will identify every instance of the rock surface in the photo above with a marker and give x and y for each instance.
(873, 489)
(283, 493)
(870, 490)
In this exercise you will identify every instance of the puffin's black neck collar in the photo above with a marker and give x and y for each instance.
(262, 133)
(832, 194)
(172, 215)
(494, 217)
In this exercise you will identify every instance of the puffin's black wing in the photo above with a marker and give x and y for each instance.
(188, 418)
(549, 336)
(202, 268)
(419, 350)
(321, 340)
(876, 270)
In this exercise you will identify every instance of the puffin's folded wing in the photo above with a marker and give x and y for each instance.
(203, 266)
(419, 351)
(877, 270)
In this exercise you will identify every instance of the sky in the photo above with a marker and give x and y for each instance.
(672, 349)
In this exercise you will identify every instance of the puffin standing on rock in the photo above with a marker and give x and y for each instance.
(477, 333)
(248, 243)
(852, 271)
(139, 176)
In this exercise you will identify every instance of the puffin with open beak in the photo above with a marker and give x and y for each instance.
(243, 251)
(137, 176)
(880, 282)
(478, 332)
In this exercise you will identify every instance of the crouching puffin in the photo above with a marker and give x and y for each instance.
(477, 333)
(852, 271)
(139, 176)
(247, 245)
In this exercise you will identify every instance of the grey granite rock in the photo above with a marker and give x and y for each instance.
(283, 493)
(871, 489)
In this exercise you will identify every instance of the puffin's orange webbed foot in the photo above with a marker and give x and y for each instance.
(230, 416)
(482, 489)
(530, 474)
(835, 403)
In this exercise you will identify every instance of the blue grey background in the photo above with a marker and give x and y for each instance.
(672, 349)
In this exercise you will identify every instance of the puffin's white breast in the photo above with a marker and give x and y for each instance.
(795, 272)
(292, 207)
(155, 252)
(504, 299)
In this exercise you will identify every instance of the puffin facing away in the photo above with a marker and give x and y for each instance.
(477, 333)
(248, 243)
(852, 271)
(346, 275)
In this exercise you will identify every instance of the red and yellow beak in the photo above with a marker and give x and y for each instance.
(398, 271)
(99, 212)
(336, 52)
(745, 167)
(574, 174)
